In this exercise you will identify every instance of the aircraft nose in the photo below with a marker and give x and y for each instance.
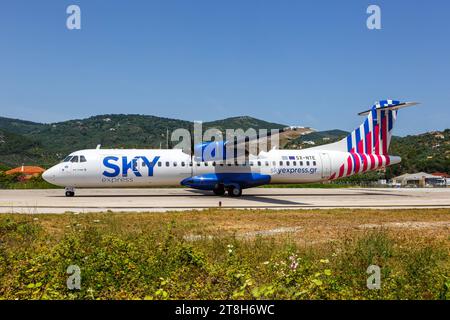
(49, 175)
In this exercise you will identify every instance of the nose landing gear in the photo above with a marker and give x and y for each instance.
(70, 192)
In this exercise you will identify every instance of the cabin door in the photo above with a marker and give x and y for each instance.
(326, 165)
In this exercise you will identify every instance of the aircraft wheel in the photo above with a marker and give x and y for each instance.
(235, 192)
(70, 193)
(220, 191)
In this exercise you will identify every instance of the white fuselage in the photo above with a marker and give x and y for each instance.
(109, 168)
(364, 149)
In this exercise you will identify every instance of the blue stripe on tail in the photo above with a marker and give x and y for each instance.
(375, 121)
(349, 142)
(366, 131)
(390, 120)
(358, 138)
(377, 115)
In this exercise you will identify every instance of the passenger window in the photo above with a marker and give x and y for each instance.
(206, 164)
(74, 159)
(267, 163)
(301, 163)
(214, 164)
(198, 164)
(159, 164)
(229, 164)
(167, 163)
(143, 164)
(287, 163)
(251, 163)
(221, 164)
(281, 163)
(82, 159)
(314, 163)
(307, 163)
(259, 163)
(190, 164)
(174, 164)
(274, 163)
(183, 164)
(294, 163)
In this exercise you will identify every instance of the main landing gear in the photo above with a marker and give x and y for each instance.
(70, 192)
(219, 190)
(233, 191)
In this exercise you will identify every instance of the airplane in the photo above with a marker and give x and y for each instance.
(364, 149)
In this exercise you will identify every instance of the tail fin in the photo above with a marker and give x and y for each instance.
(374, 135)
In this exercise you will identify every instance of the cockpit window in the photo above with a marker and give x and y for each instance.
(74, 159)
(82, 159)
(67, 159)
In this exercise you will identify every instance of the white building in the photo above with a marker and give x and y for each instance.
(419, 179)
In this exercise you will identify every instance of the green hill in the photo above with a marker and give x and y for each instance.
(20, 126)
(16, 149)
(318, 137)
(428, 152)
(44, 144)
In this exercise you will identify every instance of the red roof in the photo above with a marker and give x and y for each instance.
(441, 174)
(26, 170)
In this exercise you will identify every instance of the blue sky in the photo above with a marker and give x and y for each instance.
(295, 62)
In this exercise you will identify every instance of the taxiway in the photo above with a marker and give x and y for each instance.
(151, 200)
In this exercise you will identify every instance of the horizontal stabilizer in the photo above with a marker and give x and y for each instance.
(374, 135)
(390, 107)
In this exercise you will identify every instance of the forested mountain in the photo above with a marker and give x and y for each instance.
(317, 137)
(44, 144)
(428, 152)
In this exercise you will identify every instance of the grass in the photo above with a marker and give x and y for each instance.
(227, 254)
(14, 181)
(31, 185)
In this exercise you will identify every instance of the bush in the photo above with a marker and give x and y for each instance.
(162, 264)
